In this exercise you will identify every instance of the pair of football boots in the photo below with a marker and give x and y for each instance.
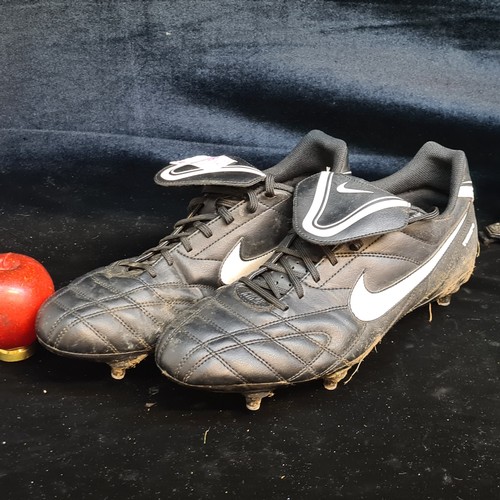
(276, 277)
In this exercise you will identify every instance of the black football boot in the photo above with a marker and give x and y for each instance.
(360, 256)
(115, 314)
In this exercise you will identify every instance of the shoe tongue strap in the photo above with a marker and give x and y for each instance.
(333, 208)
(210, 170)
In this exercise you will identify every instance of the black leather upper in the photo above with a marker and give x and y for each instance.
(118, 311)
(239, 340)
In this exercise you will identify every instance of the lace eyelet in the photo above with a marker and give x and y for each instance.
(355, 246)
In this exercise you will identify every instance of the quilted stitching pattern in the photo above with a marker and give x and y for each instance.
(231, 344)
(201, 351)
(99, 315)
(110, 314)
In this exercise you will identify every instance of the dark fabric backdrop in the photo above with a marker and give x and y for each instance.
(96, 96)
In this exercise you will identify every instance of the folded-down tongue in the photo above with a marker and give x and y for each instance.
(210, 170)
(330, 209)
(227, 181)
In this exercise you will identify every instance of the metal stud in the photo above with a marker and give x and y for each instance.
(254, 399)
(444, 301)
(119, 368)
(331, 381)
(118, 373)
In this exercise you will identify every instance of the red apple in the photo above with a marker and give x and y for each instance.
(24, 286)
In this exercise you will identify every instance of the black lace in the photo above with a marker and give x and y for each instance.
(224, 199)
(264, 282)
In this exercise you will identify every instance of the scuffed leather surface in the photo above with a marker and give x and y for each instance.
(229, 344)
(114, 313)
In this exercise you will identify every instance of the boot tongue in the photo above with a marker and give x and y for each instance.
(210, 170)
(280, 278)
(331, 208)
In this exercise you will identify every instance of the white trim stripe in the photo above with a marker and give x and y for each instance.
(466, 192)
(468, 236)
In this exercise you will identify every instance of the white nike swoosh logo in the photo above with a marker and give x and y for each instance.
(200, 165)
(234, 267)
(319, 204)
(343, 189)
(368, 306)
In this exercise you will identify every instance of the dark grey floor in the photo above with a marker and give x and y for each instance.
(420, 419)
